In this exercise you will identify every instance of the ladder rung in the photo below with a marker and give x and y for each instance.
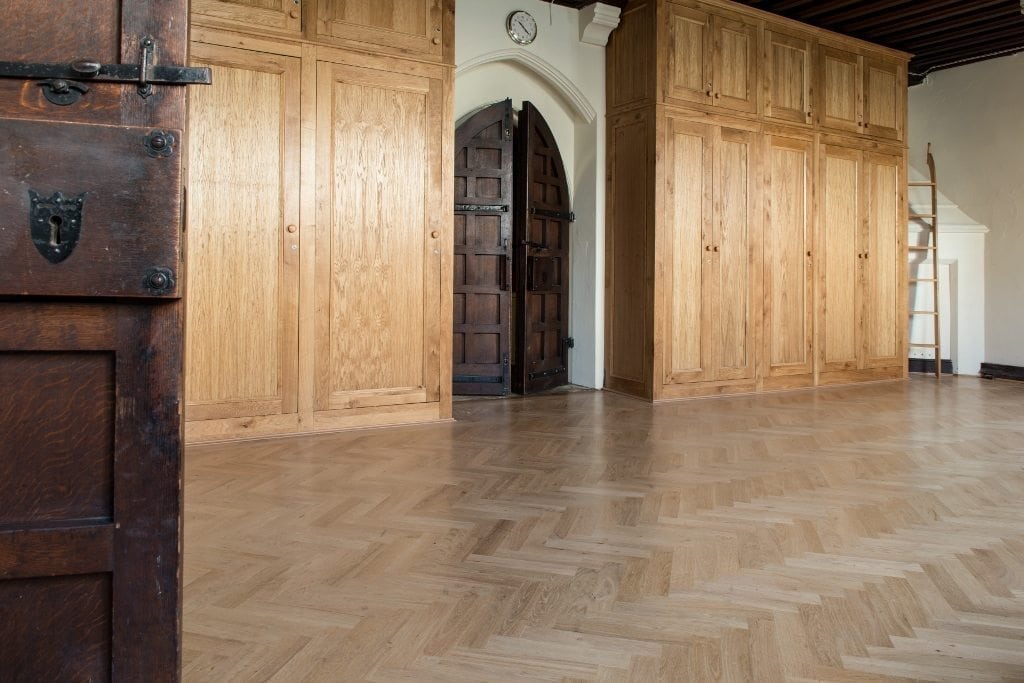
(924, 313)
(924, 346)
(924, 279)
(914, 247)
(921, 215)
(921, 183)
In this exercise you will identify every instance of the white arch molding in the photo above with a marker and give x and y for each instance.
(563, 87)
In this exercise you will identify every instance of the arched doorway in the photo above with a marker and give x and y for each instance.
(511, 261)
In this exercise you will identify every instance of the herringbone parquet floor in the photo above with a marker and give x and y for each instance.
(858, 534)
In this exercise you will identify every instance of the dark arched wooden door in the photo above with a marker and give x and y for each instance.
(542, 220)
(483, 230)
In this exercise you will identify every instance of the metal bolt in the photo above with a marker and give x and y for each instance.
(157, 280)
(158, 142)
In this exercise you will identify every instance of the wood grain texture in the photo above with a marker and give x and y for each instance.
(410, 28)
(74, 614)
(788, 254)
(630, 58)
(840, 89)
(130, 213)
(57, 454)
(885, 80)
(261, 16)
(840, 195)
(244, 255)
(378, 265)
(788, 75)
(868, 533)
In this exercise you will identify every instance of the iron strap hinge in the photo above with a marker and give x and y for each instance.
(65, 84)
(548, 213)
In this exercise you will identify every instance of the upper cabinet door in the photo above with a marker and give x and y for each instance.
(381, 212)
(788, 77)
(884, 90)
(279, 16)
(840, 97)
(405, 27)
(688, 77)
(734, 64)
(711, 59)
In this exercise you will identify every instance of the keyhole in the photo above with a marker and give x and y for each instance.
(55, 223)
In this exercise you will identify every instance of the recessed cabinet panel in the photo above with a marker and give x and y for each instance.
(688, 174)
(378, 263)
(788, 77)
(840, 265)
(242, 332)
(689, 55)
(788, 244)
(841, 97)
(734, 64)
(882, 263)
(278, 16)
(883, 88)
(409, 27)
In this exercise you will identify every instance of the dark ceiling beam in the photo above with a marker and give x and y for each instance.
(957, 40)
(979, 23)
(881, 9)
(956, 8)
(917, 14)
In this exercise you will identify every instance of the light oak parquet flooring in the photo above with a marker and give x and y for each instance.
(861, 533)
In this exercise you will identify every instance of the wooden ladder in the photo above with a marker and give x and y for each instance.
(931, 248)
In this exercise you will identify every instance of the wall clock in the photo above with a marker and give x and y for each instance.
(521, 27)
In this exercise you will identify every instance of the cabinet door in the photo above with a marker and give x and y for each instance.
(840, 98)
(788, 75)
(884, 92)
(382, 208)
(243, 217)
(788, 248)
(410, 27)
(883, 262)
(688, 64)
(279, 16)
(839, 262)
(734, 64)
(733, 250)
(688, 242)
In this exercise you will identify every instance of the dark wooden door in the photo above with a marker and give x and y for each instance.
(90, 340)
(483, 230)
(541, 274)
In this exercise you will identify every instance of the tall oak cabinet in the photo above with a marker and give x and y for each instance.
(756, 204)
(320, 217)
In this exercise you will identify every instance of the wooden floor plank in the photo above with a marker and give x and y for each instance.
(860, 533)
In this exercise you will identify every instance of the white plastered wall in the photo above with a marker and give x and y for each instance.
(972, 117)
(564, 78)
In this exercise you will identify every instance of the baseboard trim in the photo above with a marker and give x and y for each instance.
(928, 365)
(996, 371)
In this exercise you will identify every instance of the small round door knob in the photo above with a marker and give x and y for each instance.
(435, 234)
(293, 229)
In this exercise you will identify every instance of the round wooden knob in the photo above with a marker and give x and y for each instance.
(436, 41)
(293, 228)
(707, 248)
(294, 14)
(435, 234)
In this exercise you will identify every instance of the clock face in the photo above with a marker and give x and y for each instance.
(521, 27)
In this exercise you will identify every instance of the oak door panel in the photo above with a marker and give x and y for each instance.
(91, 351)
(379, 184)
(882, 263)
(89, 391)
(628, 252)
(278, 16)
(734, 64)
(243, 214)
(541, 226)
(734, 252)
(788, 248)
(483, 232)
(884, 89)
(841, 201)
(410, 27)
(688, 220)
(788, 76)
(689, 60)
(840, 96)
